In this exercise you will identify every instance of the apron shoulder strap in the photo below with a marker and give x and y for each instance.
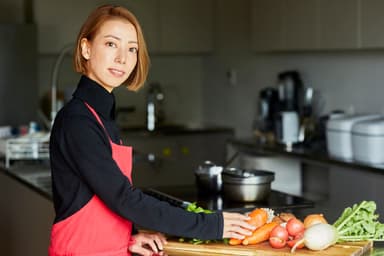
(97, 118)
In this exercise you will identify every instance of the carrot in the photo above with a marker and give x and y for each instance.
(234, 241)
(260, 235)
(259, 217)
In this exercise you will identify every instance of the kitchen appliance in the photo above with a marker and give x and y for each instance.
(287, 128)
(290, 89)
(180, 195)
(208, 177)
(267, 108)
(246, 185)
(154, 108)
(368, 141)
(339, 134)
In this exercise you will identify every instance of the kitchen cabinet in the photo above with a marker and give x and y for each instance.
(169, 26)
(300, 24)
(372, 23)
(338, 31)
(286, 25)
(186, 26)
(18, 73)
(282, 25)
(59, 22)
(25, 219)
(267, 25)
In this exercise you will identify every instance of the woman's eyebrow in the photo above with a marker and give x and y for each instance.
(118, 38)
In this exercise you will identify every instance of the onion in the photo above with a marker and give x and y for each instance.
(312, 219)
(318, 237)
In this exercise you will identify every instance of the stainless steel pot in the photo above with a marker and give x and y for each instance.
(246, 185)
(208, 177)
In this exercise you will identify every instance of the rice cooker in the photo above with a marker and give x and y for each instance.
(339, 134)
(368, 141)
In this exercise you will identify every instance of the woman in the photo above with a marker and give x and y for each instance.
(94, 199)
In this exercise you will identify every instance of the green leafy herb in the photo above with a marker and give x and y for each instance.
(192, 207)
(359, 223)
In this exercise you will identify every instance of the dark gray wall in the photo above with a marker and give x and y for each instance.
(18, 74)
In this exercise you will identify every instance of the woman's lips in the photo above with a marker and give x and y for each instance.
(116, 72)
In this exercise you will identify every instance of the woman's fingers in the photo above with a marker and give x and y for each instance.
(236, 226)
(148, 244)
(138, 249)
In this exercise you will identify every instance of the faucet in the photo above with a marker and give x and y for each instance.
(155, 98)
(55, 74)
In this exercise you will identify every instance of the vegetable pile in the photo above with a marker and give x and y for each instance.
(356, 223)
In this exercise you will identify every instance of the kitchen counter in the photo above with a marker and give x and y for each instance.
(316, 152)
(37, 178)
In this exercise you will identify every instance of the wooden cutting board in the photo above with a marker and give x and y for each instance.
(174, 248)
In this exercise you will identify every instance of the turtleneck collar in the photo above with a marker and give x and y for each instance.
(97, 96)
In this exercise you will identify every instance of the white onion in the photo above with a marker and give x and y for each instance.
(318, 237)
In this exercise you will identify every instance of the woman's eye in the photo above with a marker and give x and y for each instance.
(133, 50)
(111, 44)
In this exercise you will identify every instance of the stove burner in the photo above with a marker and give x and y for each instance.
(181, 196)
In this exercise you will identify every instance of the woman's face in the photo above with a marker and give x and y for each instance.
(112, 54)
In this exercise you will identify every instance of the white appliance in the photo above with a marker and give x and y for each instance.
(339, 134)
(288, 128)
(368, 141)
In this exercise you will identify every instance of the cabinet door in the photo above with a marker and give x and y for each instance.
(186, 26)
(267, 25)
(372, 23)
(59, 22)
(338, 24)
(300, 24)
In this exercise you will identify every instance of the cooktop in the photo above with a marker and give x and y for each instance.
(183, 195)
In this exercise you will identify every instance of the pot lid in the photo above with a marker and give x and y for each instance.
(373, 127)
(345, 123)
(247, 176)
(209, 168)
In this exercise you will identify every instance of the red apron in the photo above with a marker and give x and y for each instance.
(95, 230)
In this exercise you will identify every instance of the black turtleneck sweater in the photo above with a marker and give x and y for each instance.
(82, 166)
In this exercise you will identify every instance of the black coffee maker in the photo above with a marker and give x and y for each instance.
(267, 108)
(290, 88)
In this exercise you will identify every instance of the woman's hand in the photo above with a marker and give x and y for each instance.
(236, 226)
(148, 244)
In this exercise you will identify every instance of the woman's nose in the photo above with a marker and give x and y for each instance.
(121, 57)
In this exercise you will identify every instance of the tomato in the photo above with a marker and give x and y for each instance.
(294, 226)
(279, 232)
(276, 242)
(292, 242)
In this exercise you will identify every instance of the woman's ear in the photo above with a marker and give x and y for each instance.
(85, 49)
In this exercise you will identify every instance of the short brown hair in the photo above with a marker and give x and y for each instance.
(91, 26)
